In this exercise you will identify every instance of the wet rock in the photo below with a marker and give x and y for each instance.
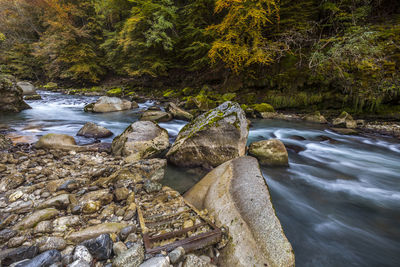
(119, 247)
(151, 186)
(179, 113)
(79, 263)
(345, 131)
(27, 88)
(44, 227)
(121, 193)
(15, 196)
(16, 241)
(11, 96)
(130, 212)
(270, 152)
(156, 262)
(110, 104)
(212, 138)
(7, 234)
(94, 231)
(157, 116)
(192, 260)
(126, 231)
(91, 207)
(132, 237)
(100, 247)
(132, 257)
(54, 141)
(92, 130)
(33, 97)
(141, 140)
(103, 196)
(63, 223)
(11, 182)
(51, 242)
(176, 255)
(315, 118)
(43, 260)
(36, 217)
(60, 202)
(237, 196)
(69, 186)
(82, 253)
(9, 256)
(345, 120)
(5, 144)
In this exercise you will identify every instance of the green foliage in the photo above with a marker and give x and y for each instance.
(115, 92)
(263, 107)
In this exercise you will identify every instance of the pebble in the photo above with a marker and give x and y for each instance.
(176, 255)
(101, 247)
(119, 247)
(156, 262)
(82, 253)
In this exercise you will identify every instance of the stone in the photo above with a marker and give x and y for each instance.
(79, 263)
(192, 260)
(100, 247)
(345, 120)
(103, 196)
(179, 113)
(94, 231)
(15, 196)
(121, 193)
(63, 223)
(9, 256)
(11, 182)
(92, 130)
(11, 96)
(176, 255)
(270, 152)
(119, 247)
(44, 227)
(132, 257)
(345, 131)
(36, 217)
(82, 253)
(91, 207)
(43, 260)
(60, 202)
(141, 140)
(5, 144)
(16, 241)
(156, 262)
(315, 118)
(51, 242)
(27, 88)
(54, 141)
(155, 115)
(151, 186)
(126, 231)
(6, 234)
(212, 138)
(111, 104)
(237, 195)
(130, 212)
(33, 97)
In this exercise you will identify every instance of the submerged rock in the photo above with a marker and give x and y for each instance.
(212, 138)
(110, 104)
(92, 130)
(11, 96)
(141, 140)
(155, 115)
(27, 88)
(270, 152)
(236, 194)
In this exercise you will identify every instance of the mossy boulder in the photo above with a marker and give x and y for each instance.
(51, 86)
(345, 120)
(263, 107)
(141, 140)
(11, 96)
(212, 138)
(270, 152)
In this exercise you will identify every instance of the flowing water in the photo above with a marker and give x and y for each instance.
(338, 201)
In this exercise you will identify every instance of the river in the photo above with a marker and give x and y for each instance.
(338, 201)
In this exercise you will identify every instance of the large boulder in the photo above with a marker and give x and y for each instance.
(236, 194)
(156, 115)
(56, 141)
(179, 113)
(110, 104)
(11, 97)
(93, 130)
(270, 152)
(212, 138)
(345, 120)
(141, 140)
(27, 88)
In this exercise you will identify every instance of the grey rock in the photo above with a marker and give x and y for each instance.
(156, 262)
(100, 247)
(44, 227)
(111, 104)
(179, 113)
(27, 88)
(92, 130)
(270, 152)
(176, 255)
(82, 253)
(11, 96)
(119, 247)
(132, 257)
(79, 263)
(157, 116)
(151, 186)
(52, 242)
(126, 231)
(43, 260)
(192, 260)
(60, 202)
(9, 256)
(6, 234)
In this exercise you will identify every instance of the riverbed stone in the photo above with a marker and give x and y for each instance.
(45, 259)
(36, 217)
(345, 120)
(270, 152)
(51, 242)
(96, 230)
(119, 247)
(156, 115)
(179, 113)
(82, 253)
(100, 247)
(61, 224)
(156, 262)
(44, 227)
(212, 138)
(27, 88)
(237, 195)
(315, 118)
(60, 202)
(11, 96)
(132, 257)
(54, 141)
(192, 260)
(176, 255)
(5, 144)
(9, 256)
(111, 104)
(92, 130)
(79, 263)
(141, 140)
(6, 234)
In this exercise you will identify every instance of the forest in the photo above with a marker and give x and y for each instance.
(299, 54)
